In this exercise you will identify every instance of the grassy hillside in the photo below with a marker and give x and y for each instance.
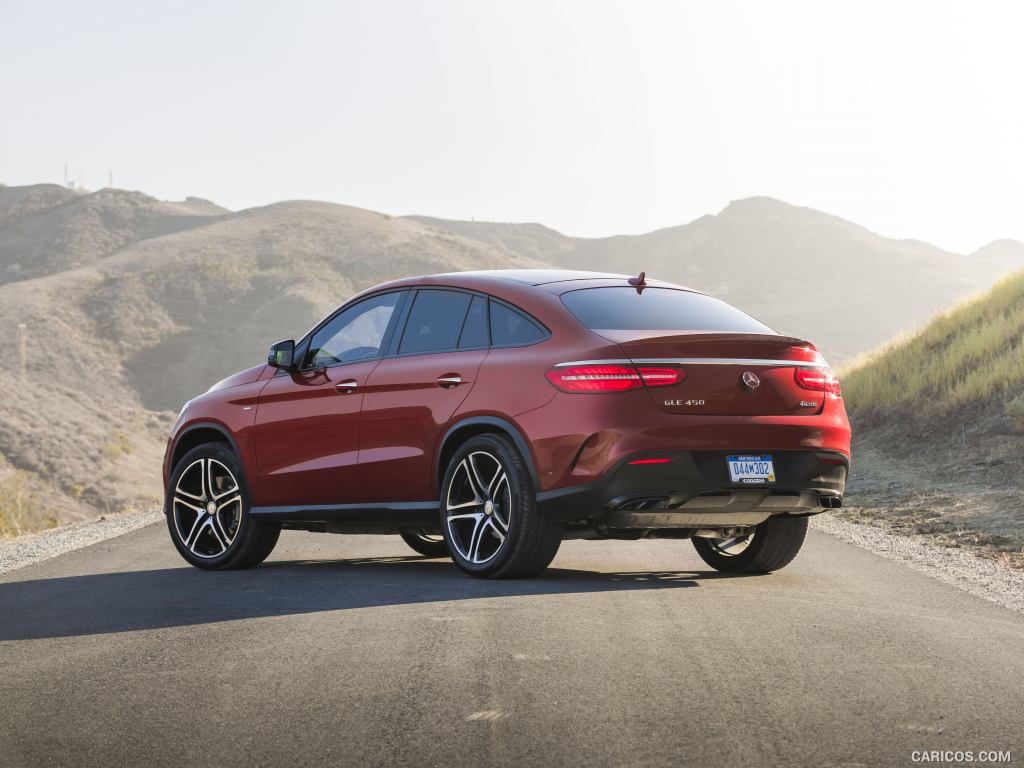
(969, 359)
(804, 272)
(938, 421)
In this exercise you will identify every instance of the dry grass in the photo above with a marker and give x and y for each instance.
(119, 446)
(970, 354)
(20, 510)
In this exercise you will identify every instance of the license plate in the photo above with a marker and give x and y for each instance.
(751, 470)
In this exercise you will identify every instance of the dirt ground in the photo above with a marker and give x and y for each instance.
(966, 490)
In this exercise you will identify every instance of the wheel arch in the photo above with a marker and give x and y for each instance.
(200, 434)
(462, 430)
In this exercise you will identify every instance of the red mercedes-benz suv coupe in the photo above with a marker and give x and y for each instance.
(487, 416)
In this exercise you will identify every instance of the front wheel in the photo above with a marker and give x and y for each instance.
(770, 546)
(489, 514)
(207, 508)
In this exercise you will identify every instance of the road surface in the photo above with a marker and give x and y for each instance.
(352, 650)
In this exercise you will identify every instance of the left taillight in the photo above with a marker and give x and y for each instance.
(611, 378)
(819, 380)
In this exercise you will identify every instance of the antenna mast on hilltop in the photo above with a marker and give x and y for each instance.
(65, 174)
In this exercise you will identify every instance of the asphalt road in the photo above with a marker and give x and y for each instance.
(351, 650)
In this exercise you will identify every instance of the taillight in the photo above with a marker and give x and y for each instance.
(611, 378)
(595, 378)
(661, 377)
(819, 380)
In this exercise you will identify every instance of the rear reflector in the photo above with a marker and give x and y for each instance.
(612, 378)
(650, 461)
(819, 380)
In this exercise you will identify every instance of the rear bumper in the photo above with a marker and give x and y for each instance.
(693, 490)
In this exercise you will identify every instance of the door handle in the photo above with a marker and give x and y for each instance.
(449, 381)
(346, 387)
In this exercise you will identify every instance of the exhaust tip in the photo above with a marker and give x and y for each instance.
(830, 502)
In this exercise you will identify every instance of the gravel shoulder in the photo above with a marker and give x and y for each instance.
(979, 576)
(35, 547)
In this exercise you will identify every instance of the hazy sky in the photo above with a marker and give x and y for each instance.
(594, 118)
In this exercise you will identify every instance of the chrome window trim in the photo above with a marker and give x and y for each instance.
(702, 361)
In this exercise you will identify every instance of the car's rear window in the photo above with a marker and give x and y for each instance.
(657, 309)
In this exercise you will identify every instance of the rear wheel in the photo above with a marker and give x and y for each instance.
(770, 546)
(489, 513)
(207, 508)
(427, 544)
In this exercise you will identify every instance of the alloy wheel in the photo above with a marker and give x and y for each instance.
(207, 508)
(478, 507)
(731, 546)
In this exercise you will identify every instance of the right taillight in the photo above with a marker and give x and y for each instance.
(819, 380)
(611, 378)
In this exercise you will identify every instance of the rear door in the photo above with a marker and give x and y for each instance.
(724, 361)
(307, 421)
(410, 397)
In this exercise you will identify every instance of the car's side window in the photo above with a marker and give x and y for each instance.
(356, 333)
(475, 331)
(510, 328)
(435, 321)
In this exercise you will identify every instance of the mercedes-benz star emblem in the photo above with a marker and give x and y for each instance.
(750, 380)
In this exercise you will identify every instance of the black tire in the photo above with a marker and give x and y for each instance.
(229, 538)
(773, 545)
(530, 540)
(428, 547)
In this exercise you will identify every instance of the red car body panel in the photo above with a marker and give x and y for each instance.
(307, 435)
(303, 442)
(404, 414)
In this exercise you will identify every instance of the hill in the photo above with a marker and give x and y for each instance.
(804, 272)
(116, 346)
(939, 425)
(46, 228)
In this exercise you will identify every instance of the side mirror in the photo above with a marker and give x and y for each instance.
(282, 355)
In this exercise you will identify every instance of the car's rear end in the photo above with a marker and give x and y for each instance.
(704, 423)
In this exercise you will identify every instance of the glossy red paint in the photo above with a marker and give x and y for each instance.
(303, 440)
(307, 435)
(407, 403)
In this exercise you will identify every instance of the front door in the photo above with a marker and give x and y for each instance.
(307, 421)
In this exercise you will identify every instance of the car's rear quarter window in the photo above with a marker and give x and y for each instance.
(511, 328)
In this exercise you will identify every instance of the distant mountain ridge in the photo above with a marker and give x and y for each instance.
(802, 271)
